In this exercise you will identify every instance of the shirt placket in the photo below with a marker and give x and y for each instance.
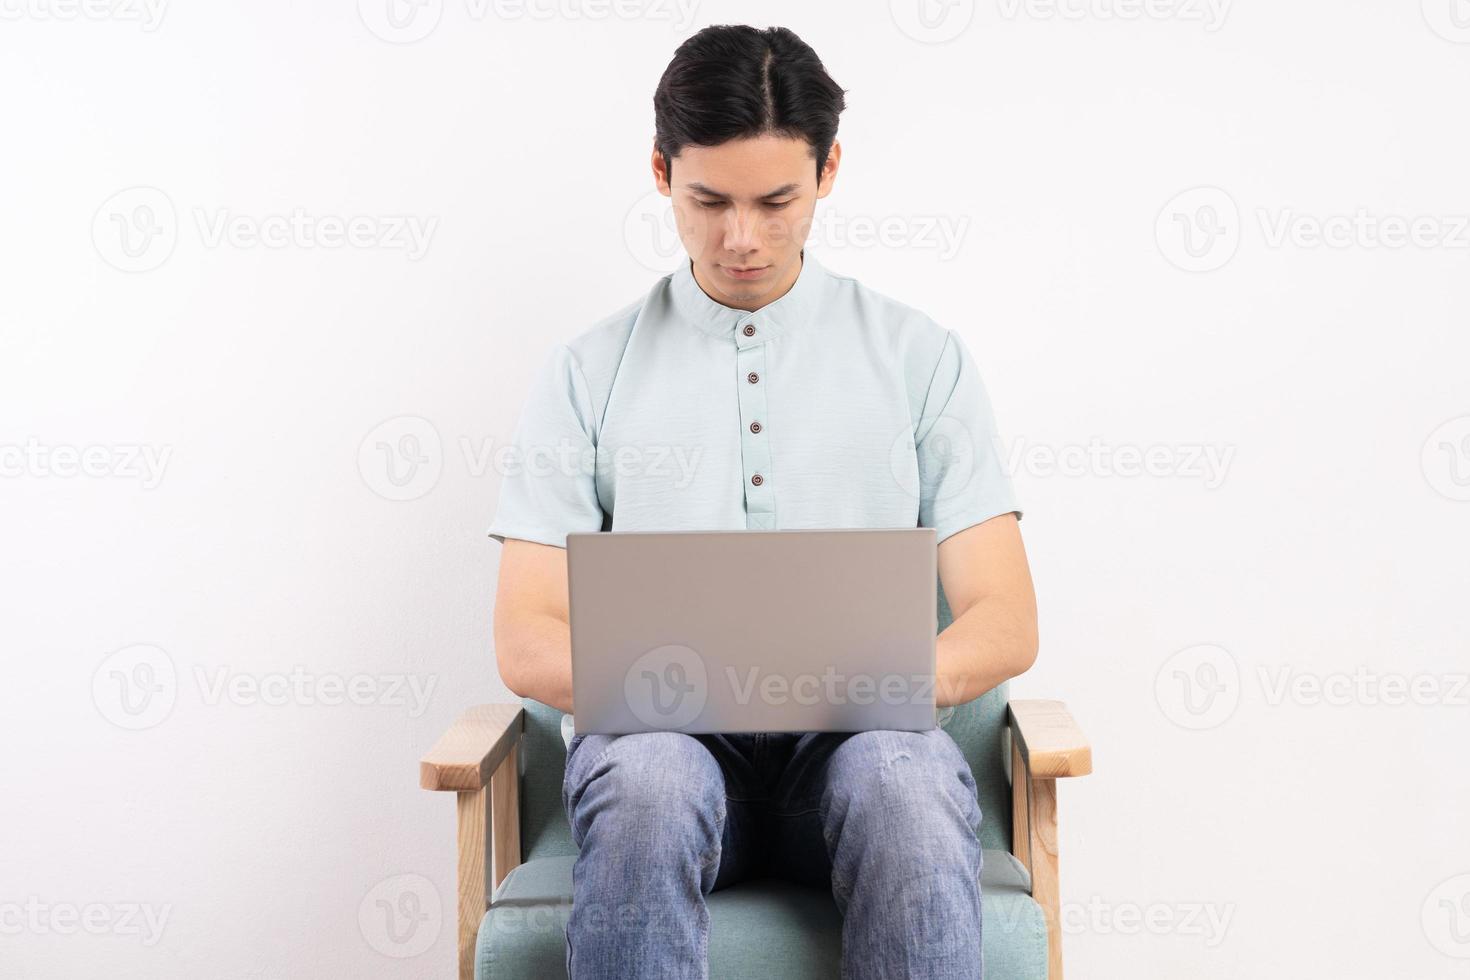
(755, 452)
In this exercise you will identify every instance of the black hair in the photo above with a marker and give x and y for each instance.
(733, 81)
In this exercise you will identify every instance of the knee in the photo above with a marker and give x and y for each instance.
(655, 783)
(917, 782)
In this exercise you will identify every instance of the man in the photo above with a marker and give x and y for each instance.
(755, 389)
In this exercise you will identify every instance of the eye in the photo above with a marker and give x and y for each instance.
(777, 206)
(708, 205)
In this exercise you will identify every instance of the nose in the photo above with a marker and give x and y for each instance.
(742, 231)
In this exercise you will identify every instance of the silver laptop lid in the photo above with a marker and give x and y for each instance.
(753, 631)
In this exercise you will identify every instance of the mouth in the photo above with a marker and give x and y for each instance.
(745, 272)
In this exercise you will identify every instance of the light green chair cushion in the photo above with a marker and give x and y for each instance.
(761, 928)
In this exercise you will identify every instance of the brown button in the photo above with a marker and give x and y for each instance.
(749, 330)
(755, 427)
(757, 479)
(752, 377)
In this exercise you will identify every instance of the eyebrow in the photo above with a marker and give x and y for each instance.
(781, 191)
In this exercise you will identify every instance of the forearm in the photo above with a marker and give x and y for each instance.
(993, 641)
(534, 655)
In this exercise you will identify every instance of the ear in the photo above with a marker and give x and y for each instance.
(660, 173)
(828, 176)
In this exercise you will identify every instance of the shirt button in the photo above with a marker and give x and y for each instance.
(757, 479)
(749, 330)
(752, 377)
(755, 427)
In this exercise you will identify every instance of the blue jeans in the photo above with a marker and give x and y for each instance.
(888, 820)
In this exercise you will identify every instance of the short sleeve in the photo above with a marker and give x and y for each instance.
(549, 487)
(962, 475)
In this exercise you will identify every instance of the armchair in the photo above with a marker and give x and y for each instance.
(505, 762)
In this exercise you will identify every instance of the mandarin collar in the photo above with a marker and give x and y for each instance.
(790, 312)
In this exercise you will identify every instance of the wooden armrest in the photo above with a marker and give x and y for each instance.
(1045, 744)
(472, 749)
(477, 758)
(1049, 740)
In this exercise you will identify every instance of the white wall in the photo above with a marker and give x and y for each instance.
(1328, 543)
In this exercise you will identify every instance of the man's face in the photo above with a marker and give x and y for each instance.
(743, 211)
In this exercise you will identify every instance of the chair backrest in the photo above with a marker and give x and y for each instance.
(976, 727)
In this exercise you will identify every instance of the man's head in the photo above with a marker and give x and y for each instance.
(745, 143)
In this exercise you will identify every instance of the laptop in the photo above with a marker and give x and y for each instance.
(753, 631)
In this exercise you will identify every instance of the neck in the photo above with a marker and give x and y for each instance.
(751, 303)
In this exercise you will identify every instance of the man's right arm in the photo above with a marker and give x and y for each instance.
(533, 638)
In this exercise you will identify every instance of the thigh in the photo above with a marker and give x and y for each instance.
(655, 770)
(904, 766)
(699, 763)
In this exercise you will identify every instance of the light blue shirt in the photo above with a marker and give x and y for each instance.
(832, 407)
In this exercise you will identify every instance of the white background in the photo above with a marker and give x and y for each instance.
(1328, 833)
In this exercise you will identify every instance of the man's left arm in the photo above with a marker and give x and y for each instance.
(987, 582)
